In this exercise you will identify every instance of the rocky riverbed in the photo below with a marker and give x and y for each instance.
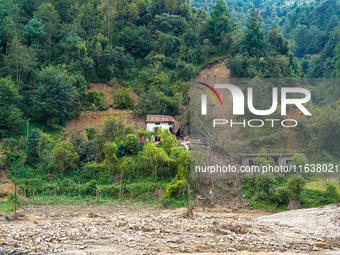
(133, 229)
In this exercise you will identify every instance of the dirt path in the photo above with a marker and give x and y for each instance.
(133, 229)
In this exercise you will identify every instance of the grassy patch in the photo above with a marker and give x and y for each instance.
(6, 206)
(321, 185)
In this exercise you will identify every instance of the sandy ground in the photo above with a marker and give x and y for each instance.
(133, 229)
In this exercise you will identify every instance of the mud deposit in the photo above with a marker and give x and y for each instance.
(132, 229)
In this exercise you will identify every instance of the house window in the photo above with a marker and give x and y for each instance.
(157, 138)
(157, 123)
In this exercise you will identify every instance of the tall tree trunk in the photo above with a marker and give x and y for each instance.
(108, 24)
(17, 62)
(49, 42)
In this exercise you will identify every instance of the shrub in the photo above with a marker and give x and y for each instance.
(295, 186)
(90, 132)
(282, 195)
(131, 142)
(331, 191)
(122, 99)
(90, 187)
(174, 188)
(121, 149)
(128, 129)
(126, 167)
(112, 129)
(64, 156)
(95, 100)
(299, 160)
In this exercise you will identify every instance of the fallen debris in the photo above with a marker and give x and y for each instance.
(122, 229)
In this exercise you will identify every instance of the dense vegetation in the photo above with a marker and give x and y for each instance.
(51, 50)
(312, 28)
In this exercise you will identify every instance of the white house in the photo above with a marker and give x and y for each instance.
(162, 121)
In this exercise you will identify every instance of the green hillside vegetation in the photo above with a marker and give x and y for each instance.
(51, 50)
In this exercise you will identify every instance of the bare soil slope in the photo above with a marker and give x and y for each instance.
(6, 186)
(96, 118)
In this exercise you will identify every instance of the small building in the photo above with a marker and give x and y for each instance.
(162, 121)
(279, 158)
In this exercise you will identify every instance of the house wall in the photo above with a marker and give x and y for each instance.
(150, 126)
(245, 161)
(281, 160)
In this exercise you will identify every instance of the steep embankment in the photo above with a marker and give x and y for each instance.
(213, 73)
(217, 72)
(96, 118)
(6, 186)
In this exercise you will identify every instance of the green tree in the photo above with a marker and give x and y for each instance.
(19, 60)
(169, 140)
(325, 129)
(11, 117)
(131, 142)
(219, 26)
(34, 32)
(278, 42)
(155, 158)
(56, 97)
(64, 157)
(122, 99)
(253, 37)
(108, 9)
(127, 169)
(44, 148)
(91, 132)
(110, 149)
(73, 47)
(112, 129)
(299, 160)
(51, 20)
(8, 31)
(95, 100)
(295, 186)
(32, 145)
(181, 158)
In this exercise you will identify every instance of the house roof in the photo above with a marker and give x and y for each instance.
(162, 119)
(159, 118)
(269, 154)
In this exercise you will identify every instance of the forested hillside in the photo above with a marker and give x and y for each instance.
(312, 28)
(50, 51)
